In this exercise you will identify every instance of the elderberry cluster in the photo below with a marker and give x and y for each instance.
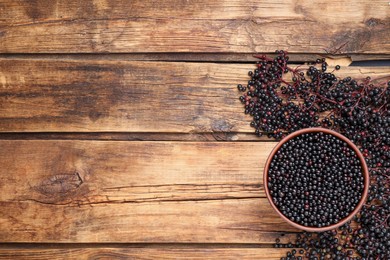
(372, 237)
(282, 99)
(334, 244)
(280, 106)
(315, 179)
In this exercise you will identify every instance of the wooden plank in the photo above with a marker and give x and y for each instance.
(201, 26)
(144, 253)
(118, 96)
(114, 191)
(219, 221)
(128, 96)
(136, 166)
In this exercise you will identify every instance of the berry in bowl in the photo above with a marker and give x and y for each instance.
(316, 179)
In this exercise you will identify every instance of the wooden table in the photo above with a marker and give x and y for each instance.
(121, 130)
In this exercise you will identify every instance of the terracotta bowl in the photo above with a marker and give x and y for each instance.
(365, 175)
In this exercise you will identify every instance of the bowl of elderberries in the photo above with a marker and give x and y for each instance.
(316, 179)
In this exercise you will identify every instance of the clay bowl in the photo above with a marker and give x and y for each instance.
(365, 175)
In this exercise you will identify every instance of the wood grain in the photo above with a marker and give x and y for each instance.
(46, 26)
(166, 252)
(114, 191)
(128, 96)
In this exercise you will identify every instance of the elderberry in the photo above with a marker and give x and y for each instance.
(315, 179)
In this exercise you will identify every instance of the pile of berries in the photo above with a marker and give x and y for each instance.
(282, 100)
(315, 179)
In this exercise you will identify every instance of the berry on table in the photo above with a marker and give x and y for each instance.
(358, 109)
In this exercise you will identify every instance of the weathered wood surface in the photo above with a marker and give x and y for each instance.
(114, 191)
(194, 26)
(110, 112)
(166, 252)
(128, 96)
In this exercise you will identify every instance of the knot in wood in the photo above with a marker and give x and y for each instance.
(60, 184)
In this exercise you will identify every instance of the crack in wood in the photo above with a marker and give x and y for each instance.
(256, 185)
(79, 203)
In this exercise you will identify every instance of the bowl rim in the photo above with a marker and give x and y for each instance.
(364, 172)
